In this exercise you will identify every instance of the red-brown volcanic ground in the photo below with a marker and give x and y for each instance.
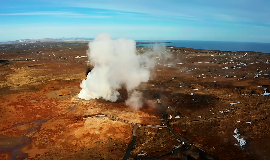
(42, 118)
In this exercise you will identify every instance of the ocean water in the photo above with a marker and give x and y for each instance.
(217, 45)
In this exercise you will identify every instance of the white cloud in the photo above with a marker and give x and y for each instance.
(54, 13)
(88, 16)
(136, 7)
(42, 27)
(227, 11)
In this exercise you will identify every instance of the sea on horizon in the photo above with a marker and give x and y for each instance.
(215, 45)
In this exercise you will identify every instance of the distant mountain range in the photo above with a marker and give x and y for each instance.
(49, 40)
(74, 39)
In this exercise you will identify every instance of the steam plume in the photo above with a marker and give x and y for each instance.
(116, 64)
(135, 100)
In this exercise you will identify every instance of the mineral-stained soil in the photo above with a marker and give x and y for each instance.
(198, 104)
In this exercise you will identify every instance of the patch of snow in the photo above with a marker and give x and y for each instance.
(235, 103)
(158, 101)
(265, 92)
(142, 154)
(241, 141)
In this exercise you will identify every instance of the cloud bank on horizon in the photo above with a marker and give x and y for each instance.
(241, 20)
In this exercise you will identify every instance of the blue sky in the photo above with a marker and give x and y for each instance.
(218, 20)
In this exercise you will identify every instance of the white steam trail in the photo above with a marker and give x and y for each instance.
(116, 64)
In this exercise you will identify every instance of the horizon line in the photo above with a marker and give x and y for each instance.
(150, 40)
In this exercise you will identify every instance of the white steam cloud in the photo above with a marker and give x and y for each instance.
(135, 100)
(116, 64)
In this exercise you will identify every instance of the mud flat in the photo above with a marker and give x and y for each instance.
(200, 104)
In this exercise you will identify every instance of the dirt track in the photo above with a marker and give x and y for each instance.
(206, 94)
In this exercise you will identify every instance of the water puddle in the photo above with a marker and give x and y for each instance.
(14, 144)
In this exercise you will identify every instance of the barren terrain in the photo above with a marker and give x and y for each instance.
(198, 104)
